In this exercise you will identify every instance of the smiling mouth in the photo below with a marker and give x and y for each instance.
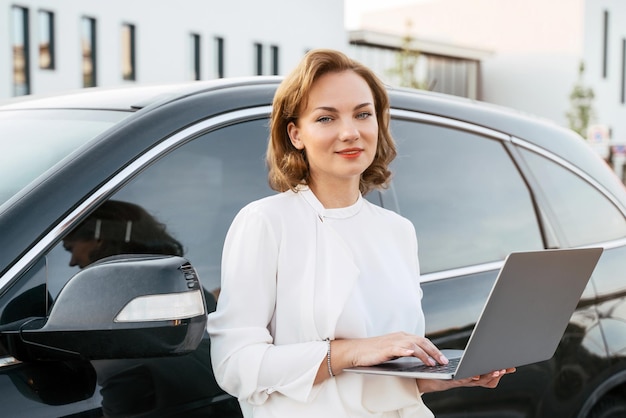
(350, 153)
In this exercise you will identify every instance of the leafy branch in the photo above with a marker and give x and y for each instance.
(581, 112)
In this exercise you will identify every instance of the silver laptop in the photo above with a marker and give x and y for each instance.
(522, 322)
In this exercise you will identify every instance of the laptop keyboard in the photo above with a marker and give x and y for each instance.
(439, 368)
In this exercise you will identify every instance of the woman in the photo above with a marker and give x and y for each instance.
(118, 227)
(317, 279)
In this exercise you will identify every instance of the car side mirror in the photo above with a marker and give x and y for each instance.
(125, 306)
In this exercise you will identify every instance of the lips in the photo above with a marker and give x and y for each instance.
(350, 152)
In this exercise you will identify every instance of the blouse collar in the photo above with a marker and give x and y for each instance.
(334, 213)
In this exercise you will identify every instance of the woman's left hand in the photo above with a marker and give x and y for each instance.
(489, 380)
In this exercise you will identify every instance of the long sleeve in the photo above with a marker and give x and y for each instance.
(246, 362)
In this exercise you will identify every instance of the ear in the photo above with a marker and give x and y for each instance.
(294, 135)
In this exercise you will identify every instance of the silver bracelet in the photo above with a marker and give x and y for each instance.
(330, 369)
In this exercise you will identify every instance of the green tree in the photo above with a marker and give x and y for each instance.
(406, 63)
(581, 112)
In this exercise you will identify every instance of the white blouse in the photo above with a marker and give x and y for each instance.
(294, 274)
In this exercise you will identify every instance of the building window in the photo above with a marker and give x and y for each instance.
(194, 56)
(21, 48)
(129, 70)
(219, 57)
(275, 60)
(605, 45)
(258, 58)
(46, 40)
(88, 46)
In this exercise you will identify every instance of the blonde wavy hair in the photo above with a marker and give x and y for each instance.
(288, 166)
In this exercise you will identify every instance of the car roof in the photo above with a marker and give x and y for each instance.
(128, 97)
(542, 132)
(137, 96)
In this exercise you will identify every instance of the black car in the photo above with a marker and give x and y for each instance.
(112, 198)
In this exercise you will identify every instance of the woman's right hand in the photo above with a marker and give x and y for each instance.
(376, 350)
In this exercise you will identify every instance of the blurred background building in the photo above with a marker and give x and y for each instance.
(524, 54)
(605, 73)
(533, 47)
(411, 61)
(54, 45)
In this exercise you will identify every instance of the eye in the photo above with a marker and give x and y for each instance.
(324, 119)
(363, 115)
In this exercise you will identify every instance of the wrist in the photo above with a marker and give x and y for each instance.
(425, 385)
(328, 358)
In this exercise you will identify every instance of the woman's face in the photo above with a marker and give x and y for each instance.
(338, 128)
(81, 251)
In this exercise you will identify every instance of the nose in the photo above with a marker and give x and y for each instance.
(349, 131)
(73, 261)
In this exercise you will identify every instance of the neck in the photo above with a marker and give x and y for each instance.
(333, 196)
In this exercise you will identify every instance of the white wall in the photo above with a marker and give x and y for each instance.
(536, 45)
(609, 109)
(162, 32)
(535, 83)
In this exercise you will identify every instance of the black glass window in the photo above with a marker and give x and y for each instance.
(194, 56)
(21, 51)
(183, 204)
(583, 214)
(88, 51)
(129, 70)
(275, 60)
(466, 198)
(25, 298)
(258, 59)
(46, 40)
(219, 57)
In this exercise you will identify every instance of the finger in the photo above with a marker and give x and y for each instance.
(482, 379)
(398, 351)
(423, 356)
(428, 357)
(431, 351)
(491, 380)
(410, 345)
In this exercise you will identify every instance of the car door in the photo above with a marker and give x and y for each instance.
(470, 206)
(181, 203)
(584, 213)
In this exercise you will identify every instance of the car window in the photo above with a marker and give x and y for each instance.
(25, 298)
(585, 215)
(466, 198)
(183, 204)
(53, 133)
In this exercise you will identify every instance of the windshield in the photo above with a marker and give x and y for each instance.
(32, 141)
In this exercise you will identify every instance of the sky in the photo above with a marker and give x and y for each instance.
(354, 8)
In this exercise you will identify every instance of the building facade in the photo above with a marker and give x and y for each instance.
(413, 62)
(534, 46)
(54, 45)
(605, 74)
